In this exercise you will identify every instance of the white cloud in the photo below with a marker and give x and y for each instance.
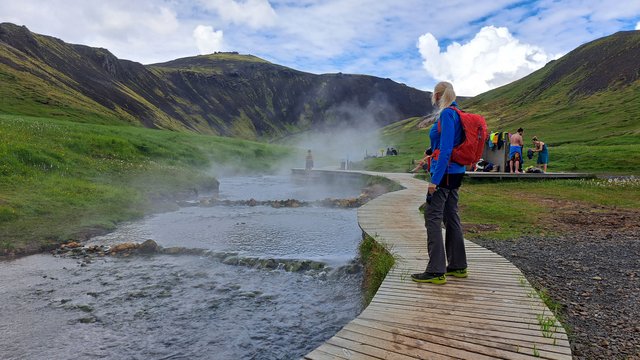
(255, 13)
(163, 23)
(208, 40)
(491, 59)
(638, 26)
(361, 36)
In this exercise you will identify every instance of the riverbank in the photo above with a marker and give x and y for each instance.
(240, 279)
(62, 181)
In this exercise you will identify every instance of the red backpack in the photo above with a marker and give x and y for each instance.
(474, 129)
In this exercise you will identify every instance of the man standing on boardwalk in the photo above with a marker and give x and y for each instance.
(442, 196)
(308, 165)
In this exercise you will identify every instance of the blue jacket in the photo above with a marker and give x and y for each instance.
(450, 136)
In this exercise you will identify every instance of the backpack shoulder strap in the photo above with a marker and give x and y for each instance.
(458, 111)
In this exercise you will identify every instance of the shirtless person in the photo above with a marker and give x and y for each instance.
(515, 151)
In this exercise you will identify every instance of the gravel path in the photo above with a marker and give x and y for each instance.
(594, 274)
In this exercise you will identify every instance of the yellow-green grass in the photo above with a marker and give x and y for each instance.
(377, 260)
(63, 180)
(512, 209)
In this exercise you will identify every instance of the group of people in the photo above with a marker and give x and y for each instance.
(515, 152)
(391, 151)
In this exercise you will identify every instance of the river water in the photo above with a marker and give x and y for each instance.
(194, 307)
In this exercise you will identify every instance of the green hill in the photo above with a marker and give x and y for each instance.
(585, 106)
(222, 94)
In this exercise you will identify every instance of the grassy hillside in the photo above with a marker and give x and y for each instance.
(584, 106)
(63, 180)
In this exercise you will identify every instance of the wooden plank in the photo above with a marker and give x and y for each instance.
(455, 286)
(421, 348)
(487, 311)
(329, 351)
(492, 297)
(323, 353)
(435, 319)
(461, 287)
(433, 300)
(506, 352)
(473, 312)
(391, 348)
(553, 350)
(399, 313)
(499, 338)
(370, 350)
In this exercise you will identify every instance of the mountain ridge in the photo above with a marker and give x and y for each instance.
(221, 94)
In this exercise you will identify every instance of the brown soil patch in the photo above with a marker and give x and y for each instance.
(479, 228)
(570, 216)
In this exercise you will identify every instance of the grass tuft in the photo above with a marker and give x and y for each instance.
(377, 260)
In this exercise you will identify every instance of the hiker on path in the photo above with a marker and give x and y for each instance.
(515, 151)
(442, 196)
(543, 153)
(308, 161)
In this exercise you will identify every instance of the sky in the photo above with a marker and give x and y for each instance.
(477, 45)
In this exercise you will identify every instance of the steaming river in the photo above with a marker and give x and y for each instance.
(194, 307)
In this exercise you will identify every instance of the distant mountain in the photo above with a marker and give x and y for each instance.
(223, 93)
(589, 96)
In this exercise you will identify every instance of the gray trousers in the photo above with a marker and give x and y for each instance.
(444, 208)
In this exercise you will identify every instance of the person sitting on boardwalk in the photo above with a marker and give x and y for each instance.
(515, 151)
(424, 162)
(543, 153)
(442, 196)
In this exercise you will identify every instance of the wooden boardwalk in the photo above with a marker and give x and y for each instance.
(525, 176)
(494, 313)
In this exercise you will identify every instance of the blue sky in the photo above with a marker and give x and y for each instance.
(477, 45)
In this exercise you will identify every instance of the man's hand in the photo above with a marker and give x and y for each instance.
(431, 189)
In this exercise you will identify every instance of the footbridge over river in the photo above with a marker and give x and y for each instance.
(494, 313)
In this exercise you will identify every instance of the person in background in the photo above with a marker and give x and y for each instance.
(543, 153)
(442, 194)
(424, 162)
(515, 151)
(308, 161)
